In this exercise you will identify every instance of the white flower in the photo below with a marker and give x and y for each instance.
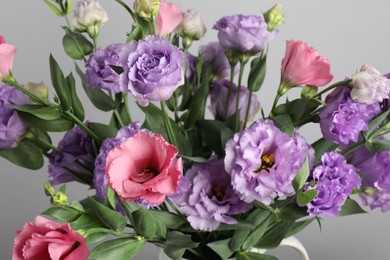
(89, 15)
(369, 86)
(191, 26)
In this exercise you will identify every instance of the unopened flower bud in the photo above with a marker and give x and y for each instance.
(274, 17)
(49, 190)
(60, 199)
(369, 191)
(191, 26)
(89, 15)
(146, 8)
(38, 88)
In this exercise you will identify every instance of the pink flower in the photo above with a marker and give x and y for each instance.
(169, 17)
(47, 240)
(303, 65)
(7, 55)
(144, 167)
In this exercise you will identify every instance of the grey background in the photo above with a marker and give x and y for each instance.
(349, 33)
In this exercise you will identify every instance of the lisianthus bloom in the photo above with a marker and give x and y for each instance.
(303, 65)
(11, 126)
(89, 15)
(335, 180)
(218, 96)
(243, 33)
(214, 55)
(375, 173)
(190, 63)
(168, 18)
(153, 69)
(191, 26)
(7, 56)
(263, 161)
(144, 167)
(369, 86)
(342, 119)
(99, 73)
(46, 240)
(211, 198)
(146, 8)
(75, 159)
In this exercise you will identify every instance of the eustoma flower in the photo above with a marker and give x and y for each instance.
(214, 55)
(211, 198)
(7, 56)
(191, 26)
(46, 240)
(153, 69)
(146, 8)
(89, 15)
(335, 181)
(144, 168)
(169, 17)
(263, 161)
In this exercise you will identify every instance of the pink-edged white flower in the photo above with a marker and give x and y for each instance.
(89, 15)
(369, 86)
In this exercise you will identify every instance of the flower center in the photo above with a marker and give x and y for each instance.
(218, 192)
(267, 161)
(144, 175)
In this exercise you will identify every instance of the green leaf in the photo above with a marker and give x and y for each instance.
(221, 247)
(103, 131)
(377, 146)
(241, 224)
(301, 177)
(43, 112)
(375, 123)
(109, 217)
(76, 45)
(77, 106)
(308, 91)
(257, 73)
(292, 212)
(98, 98)
(69, 6)
(194, 159)
(275, 235)
(61, 214)
(26, 155)
(41, 139)
(322, 146)
(284, 123)
(54, 8)
(86, 222)
(58, 125)
(256, 234)
(59, 83)
(177, 243)
(350, 207)
(304, 198)
(128, 207)
(110, 198)
(94, 235)
(170, 219)
(144, 223)
(213, 132)
(122, 248)
(136, 33)
(299, 226)
(253, 256)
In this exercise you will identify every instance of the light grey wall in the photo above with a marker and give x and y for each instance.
(349, 33)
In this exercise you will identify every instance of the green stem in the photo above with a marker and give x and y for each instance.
(335, 85)
(118, 117)
(237, 125)
(173, 207)
(154, 26)
(167, 123)
(128, 9)
(95, 43)
(126, 101)
(82, 126)
(352, 148)
(248, 108)
(232, 69)
(41, 142)
(192, 250)
(63, 9)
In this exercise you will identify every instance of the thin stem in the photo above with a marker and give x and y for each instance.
(126, 101)
(47, 144)
(167, 123)
(118, 117)
(248, 108)
(352, 148)
(232, 69)
(192, 250)
(63, 9)
(95, 43)
(127, 9)
(335, 85)
(237, 125)
(82, 126)
(154, 26)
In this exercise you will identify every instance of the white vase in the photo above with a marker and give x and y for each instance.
(292, 242)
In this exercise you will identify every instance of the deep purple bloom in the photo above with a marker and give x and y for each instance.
(211, 198)
(153, 69)
(342, 119)
(335, 182)
(243, 33)
(214, 54)
(75, 161)
(99, 73)
(11, 126)
(218, 97)
(374, 168)
(263, 161)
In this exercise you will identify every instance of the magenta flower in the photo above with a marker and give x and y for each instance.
(46, 240)
(144, 167)
(303, 65)
(168, 18)
(7, 56)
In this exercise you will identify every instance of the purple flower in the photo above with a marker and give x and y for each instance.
(214, 54)
(100, 179)
(342, 119)
(242, 33)
(335, 182)
(263, 161)
(11, 126)
(374, 168)
(98, 70)
(190, 63)
(211, 198)
(153, 69)
(218, 95)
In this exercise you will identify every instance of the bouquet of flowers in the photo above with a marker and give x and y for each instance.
(200, 188)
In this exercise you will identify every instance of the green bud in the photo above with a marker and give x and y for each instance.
(369, 191)
(309, 91)
(274, 17)
(49, 190)
(60, 199)
(146, 8)
(38, 88)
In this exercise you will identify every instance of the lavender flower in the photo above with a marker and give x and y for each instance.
(153, 69)
(75, 159)
(99, 73)
(211, 198)
(262, 161)
(242, 33)
(190, 63)
(11, 126)
(213, 54)
(342, 119)
(218, 95)
(335, 182)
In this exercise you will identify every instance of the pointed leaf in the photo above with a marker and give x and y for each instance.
(322, 146)
(76, 45)
(301, 177)
(78, 109)
(275, 235)
(377, 146)
(54, 8)
(304, 198)
(351, 207)
(26, 155)
(43, 112)
(122, 248)
(176, 244)
(284, 123)
(221, 247)
(253, 256)
(59, 83)
(109, 217)
(58, 125)
(257, 73)
(144, 223)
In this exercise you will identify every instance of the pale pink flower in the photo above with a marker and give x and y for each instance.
(144, 167)
(303, 65)
(46, 240)
(7, 56)
(169, 17)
